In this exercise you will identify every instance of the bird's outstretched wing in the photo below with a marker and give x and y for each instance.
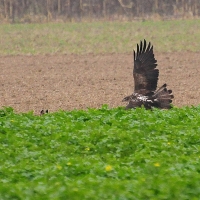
(144, 72)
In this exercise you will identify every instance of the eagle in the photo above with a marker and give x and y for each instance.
(145, 77)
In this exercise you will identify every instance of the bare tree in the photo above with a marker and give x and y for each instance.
(90, 9)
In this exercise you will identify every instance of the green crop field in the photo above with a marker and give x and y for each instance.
(98, 37)
(100, 154)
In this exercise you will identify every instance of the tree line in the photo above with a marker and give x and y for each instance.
(78, 10)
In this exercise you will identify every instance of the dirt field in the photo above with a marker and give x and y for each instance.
(76, 82)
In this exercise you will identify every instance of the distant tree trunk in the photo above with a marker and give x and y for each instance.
(104, 8)
(12, 9)
(81, 8)
(156, 6)
(137, 8)
(70, 11)
(100, 8)
(195, 7)
(59, 7)
(142, 8)
(49, 16)
(23, 3)
(6, 10)
(184, 6)
(90, 9)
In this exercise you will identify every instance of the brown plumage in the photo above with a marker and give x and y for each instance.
(146, 78)
(42, 112)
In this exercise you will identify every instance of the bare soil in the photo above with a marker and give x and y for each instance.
(69, 82)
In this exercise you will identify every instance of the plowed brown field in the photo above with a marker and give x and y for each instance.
(79, 81)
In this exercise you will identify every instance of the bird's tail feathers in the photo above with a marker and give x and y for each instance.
(163, 97)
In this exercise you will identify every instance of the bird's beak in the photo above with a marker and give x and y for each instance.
(127, 98)
(124, 99)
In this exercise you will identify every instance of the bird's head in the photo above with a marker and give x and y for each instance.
(42, 112)
(127, 98)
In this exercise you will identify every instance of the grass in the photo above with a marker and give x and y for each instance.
(98, 37)
(100, 154)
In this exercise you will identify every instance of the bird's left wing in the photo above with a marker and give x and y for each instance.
(144, 72)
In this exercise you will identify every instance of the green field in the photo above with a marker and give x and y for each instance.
(98, 37)
(100, 154)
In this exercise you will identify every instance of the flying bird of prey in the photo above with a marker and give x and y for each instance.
(145, 78)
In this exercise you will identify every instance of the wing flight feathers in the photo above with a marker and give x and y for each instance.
(145, 73)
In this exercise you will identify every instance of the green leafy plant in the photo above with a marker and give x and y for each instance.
(100, 154)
